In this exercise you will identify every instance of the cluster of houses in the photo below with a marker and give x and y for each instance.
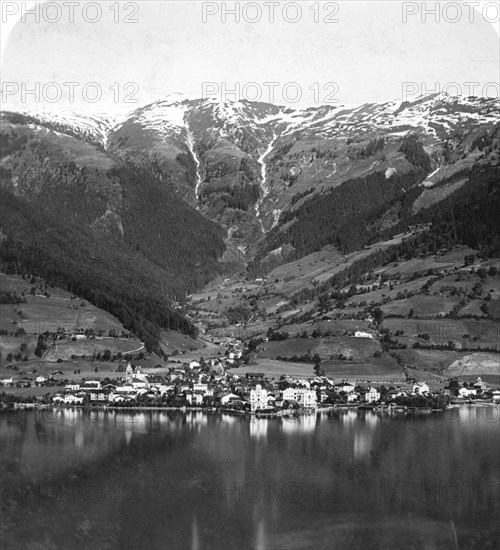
(209, 385)
(457, 388)
(193, 386)
(360, 394)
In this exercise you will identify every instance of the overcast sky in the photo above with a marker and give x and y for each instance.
(168, 47)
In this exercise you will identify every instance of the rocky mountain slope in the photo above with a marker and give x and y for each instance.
(248, 165)
(184, 188)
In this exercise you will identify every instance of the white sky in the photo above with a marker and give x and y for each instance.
(368, 55)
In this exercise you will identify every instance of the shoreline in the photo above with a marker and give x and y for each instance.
(259, 414)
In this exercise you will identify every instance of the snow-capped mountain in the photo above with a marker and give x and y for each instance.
(247, 164)
(176, 114)
(92, 128)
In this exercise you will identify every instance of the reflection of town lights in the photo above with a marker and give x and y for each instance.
(349, 417)
(372, 419)
(258, 428)
(228, 419)
(362, 444)
(304, 424)
(308, 423)
(290, 425)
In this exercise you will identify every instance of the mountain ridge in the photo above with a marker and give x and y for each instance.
(196, 188)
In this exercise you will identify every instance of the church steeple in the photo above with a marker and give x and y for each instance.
(129, 374)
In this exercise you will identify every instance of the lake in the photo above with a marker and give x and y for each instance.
(78, 479)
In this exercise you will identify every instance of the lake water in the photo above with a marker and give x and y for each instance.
(76, 479)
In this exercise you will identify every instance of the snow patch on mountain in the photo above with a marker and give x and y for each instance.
(265, 183)
(163, 117)
(95, 127)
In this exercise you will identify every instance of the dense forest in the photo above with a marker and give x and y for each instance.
(341, 216)
(365, 210)
(106, 231)
(109, 276)
(469, 217)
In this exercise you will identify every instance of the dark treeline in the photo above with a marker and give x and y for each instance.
(108, 273)
(231, 196)
(415, 152)
(108, 232)
(342, 216)
(111, 278)
(169, 232)
(470, 217)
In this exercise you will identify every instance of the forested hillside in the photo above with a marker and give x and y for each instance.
(88, 222)
(138, 213)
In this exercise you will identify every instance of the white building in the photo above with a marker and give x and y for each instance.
(290, 394)
(258, 398)
(72, 399)
(162, 388)
(139, 383)
(124, 388)
(372, 395)
(421, 388)
(200, 387)
(227, 397)
(194, 398)
(466, 392)
(345, 387)
(362, 334)
(480, 385)
(305, 397)
(121, 397)
(91, 385)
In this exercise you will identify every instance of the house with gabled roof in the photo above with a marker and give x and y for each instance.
(227, 397)
(480, 386)
(372, 395)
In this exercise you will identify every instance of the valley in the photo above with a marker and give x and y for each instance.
(356, 242)
(404, 321)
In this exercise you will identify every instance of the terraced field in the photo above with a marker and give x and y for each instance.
(422, 306)
(275, 369)
(67, 349)
(47, 313)
(325, 347)
(383, 369)
(468, 333)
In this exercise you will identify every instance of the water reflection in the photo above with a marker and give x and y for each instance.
(365, 435)
(154, 479)
(195, 537)
(258, 427)
(299, 424)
